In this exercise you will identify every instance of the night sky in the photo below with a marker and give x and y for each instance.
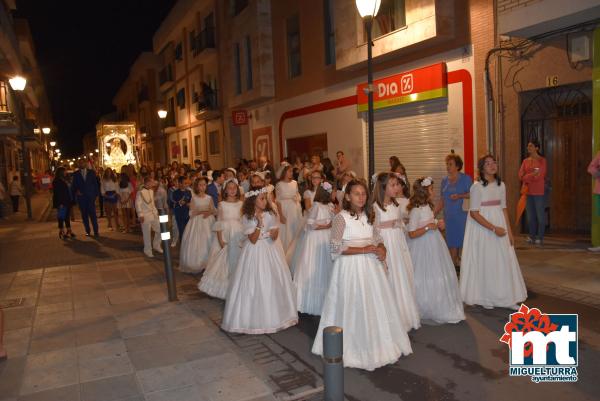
(85, 49)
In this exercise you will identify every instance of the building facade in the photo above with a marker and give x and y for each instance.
(190, 83)
(17, 57)
(138, 100)
(543, 89)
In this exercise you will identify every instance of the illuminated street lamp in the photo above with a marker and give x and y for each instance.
(96, 151)
(162, 114)
(36, 131)
(91, 154)
(46, 130)
(18, 83)
(52, 143)
(368, 11)
(57, 150)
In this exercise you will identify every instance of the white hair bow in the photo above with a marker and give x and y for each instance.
(427, 182)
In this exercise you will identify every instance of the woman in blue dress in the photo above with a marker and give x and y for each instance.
(455, 189)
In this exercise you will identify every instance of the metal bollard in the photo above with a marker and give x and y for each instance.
(165, 236)
(333, 364)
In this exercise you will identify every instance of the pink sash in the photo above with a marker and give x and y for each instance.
(495, 202)
(387, 224)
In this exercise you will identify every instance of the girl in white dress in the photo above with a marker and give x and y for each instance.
(226, 246)
(261, 297)
(288, 203)
(388, 220)
(490, 274)
(359, 298)
(436, 286)
(197, 237)
(313, 258)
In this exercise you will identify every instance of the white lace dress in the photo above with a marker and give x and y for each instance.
(360, 300)
(490, 274)
(400, 267)
(313, 262)
(222, 261)
(288, 197)
(261, 297)
(197, 237)
(436, 285)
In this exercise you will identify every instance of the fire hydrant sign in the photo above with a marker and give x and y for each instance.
(412, 86)
(239, 117)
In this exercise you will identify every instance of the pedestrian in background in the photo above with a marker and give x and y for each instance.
(61, 201)
(125, 204)
(109, 191)
(533, 175)
(15, 191)
(99, 176)
(2, 197)
(148, 215)
(594, 170)
(85, 188)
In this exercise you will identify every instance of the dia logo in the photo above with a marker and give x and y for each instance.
(542, 346)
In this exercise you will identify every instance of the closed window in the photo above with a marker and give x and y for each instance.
(181, 98)
(213, 143)
(293, 46)
(184, 146)
(179, 52)
(249, 83)
(197, 145)
(237, 69)
(329, 30)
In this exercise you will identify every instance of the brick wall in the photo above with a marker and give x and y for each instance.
(505, 6)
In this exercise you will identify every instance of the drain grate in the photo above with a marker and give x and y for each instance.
(11, 303)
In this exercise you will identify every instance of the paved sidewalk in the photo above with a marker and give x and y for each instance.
(104, 332)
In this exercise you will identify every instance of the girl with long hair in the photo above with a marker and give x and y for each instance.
(490, 272)
(61, 201)
(108, 191)
(388, 220)
(261, 297)
(313, 260)
(288, 204)
(226, 248)
(197, 237)
(359, 297)
(436, 286)
(125, 204)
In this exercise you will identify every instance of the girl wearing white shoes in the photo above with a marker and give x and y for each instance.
(490, 274)
(436, 285)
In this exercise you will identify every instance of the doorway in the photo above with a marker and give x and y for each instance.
(561, 120)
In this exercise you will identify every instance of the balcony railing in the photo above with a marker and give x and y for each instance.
(208, 103)
(204, 40)
(170, 120)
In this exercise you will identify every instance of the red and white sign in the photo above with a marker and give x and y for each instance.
(262, 139)
(239, 117)
(412, 86)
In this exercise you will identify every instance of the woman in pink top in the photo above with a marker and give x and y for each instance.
(533, 174)
(594, 170)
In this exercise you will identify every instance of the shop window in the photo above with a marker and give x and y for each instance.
(213, 143)
(184, 148)
(197, 145)
(391, 17)
(293, 46)
(329, 30)
(238, 69)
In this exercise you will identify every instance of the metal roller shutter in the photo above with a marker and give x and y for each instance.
(418, 135)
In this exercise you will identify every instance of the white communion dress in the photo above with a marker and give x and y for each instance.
(436, 285)
(400, 267)
(197, 237)
(288, 197)
(294, 249)
(222, 261)
(313, 262)
(261, 297)
(490, 274)
(360, 299)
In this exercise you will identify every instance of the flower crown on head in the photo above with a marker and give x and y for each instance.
(327, 186)
(427, 181)
(257, 192)
(374, 177)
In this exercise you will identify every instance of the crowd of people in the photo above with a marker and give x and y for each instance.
(311, 237)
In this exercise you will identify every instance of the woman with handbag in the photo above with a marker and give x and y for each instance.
(454, 202)
(61, 201)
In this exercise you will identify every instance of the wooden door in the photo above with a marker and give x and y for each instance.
(569, 149)
(307, 146)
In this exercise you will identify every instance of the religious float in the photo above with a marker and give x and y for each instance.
(116, 145)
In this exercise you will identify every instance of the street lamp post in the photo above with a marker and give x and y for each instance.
(368, 11)
(162, 114)
(17, 84)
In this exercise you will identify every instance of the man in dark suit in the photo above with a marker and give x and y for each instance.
(85, 189)
(264, 166)
(214, 188)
